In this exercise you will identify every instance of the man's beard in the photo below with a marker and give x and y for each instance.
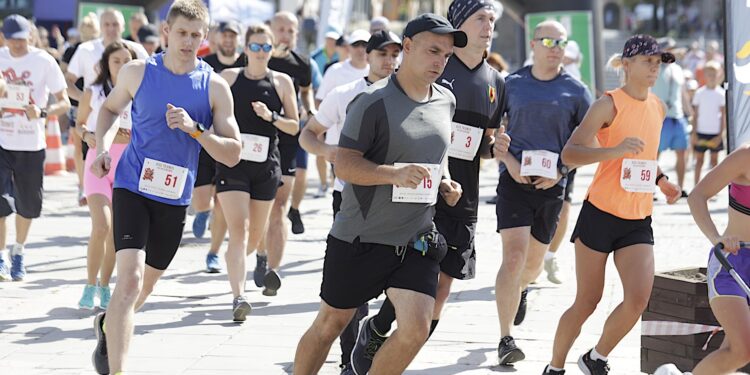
(226, 52)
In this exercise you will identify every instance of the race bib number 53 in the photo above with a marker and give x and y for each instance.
(426, 192)
(638, 176)
(162, 179)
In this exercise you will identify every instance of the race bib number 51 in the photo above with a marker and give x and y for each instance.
(638, 176)
(426, 192)
(162, 179)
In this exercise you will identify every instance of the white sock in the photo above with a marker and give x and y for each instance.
(17, 249)
(549, 255)
(3, 254)
(551, 368)
(595, 355)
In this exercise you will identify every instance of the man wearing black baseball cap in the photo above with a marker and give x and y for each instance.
(480, 104)
(392, 154)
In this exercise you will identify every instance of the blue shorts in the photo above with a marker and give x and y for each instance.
(674, 135)
(721, 283)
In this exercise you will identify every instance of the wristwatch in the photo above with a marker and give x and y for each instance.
(274, 116)
(42, 113)
(564, 170)
(199, 129)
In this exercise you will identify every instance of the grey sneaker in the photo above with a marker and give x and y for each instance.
(99, 358)
(550, 266)
(368, 343)
(240, 309)
(261, 268)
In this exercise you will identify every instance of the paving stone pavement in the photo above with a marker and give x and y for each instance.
(186, 328)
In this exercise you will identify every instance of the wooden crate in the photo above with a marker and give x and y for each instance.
(679, 296)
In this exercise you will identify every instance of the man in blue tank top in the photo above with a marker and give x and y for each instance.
(176, 100)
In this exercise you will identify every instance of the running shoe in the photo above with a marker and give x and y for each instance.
(212, 263)
(199, 223)
(4, 270)
(521, 312)
(104, 296)
(296, 219)
(272, 282)
(547, 371)
(368, 343)
(322, 191)
(346, 369)
(507, 351)
(99, 358)
(17, 269)
(240, 309)
(87, 299)
(589, 366)
(261, 268)
(551, 267)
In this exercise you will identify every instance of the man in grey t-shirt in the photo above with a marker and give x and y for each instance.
(392, 154)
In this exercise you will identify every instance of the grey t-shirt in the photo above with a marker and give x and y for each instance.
(389, 127)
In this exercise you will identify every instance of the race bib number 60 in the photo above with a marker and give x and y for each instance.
(162, 179)
(540, 163)
(426, 192)
(638, 176)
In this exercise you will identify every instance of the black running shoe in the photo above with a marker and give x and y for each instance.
(261, 268)
(346, 369)
(99, 358)
(547, 371)
(521, 312)
(368, 343)
(508, 353)
(272, 282)
(684, 194)
(296, 219)
(589, 366)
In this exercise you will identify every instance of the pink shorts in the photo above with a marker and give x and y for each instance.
(95, 185)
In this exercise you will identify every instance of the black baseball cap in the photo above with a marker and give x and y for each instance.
(434, 24)
(381, 39)
(148, 34)
(646, 45)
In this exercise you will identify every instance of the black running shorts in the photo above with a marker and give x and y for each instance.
(206, 170)
(461, 260)
(354, 273)
(604, 232)
(524, 206)
(569, 186)
(260, 180)
(288, 159)
(21, 178)
(142, 223)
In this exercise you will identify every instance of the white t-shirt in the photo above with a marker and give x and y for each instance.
(39, 71)
(97, 100)
(339, 74)
(85, 62)
(709, 103)
(332, 112)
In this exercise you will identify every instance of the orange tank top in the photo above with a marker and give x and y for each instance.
(633, 118)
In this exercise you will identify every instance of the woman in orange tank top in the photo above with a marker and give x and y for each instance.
(620, 132)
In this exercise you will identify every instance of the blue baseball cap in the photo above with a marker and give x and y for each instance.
(16, 27)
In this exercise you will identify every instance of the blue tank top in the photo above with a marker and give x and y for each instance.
(152, 138)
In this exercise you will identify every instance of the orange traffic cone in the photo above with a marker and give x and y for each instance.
(54, 162)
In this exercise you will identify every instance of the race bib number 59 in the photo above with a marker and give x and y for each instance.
(638, 176)
(162, 179)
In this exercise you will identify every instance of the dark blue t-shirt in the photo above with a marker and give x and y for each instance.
(543, 114)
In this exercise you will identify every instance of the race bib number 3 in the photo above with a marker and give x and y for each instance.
(162, 179)
(465, 141)
(426, 192)
(540, 163)
(638, 176)
(254, 147)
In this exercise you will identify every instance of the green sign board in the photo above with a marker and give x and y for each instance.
(85, 8)
(579, 25)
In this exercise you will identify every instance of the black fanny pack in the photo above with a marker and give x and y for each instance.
(431, 244)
